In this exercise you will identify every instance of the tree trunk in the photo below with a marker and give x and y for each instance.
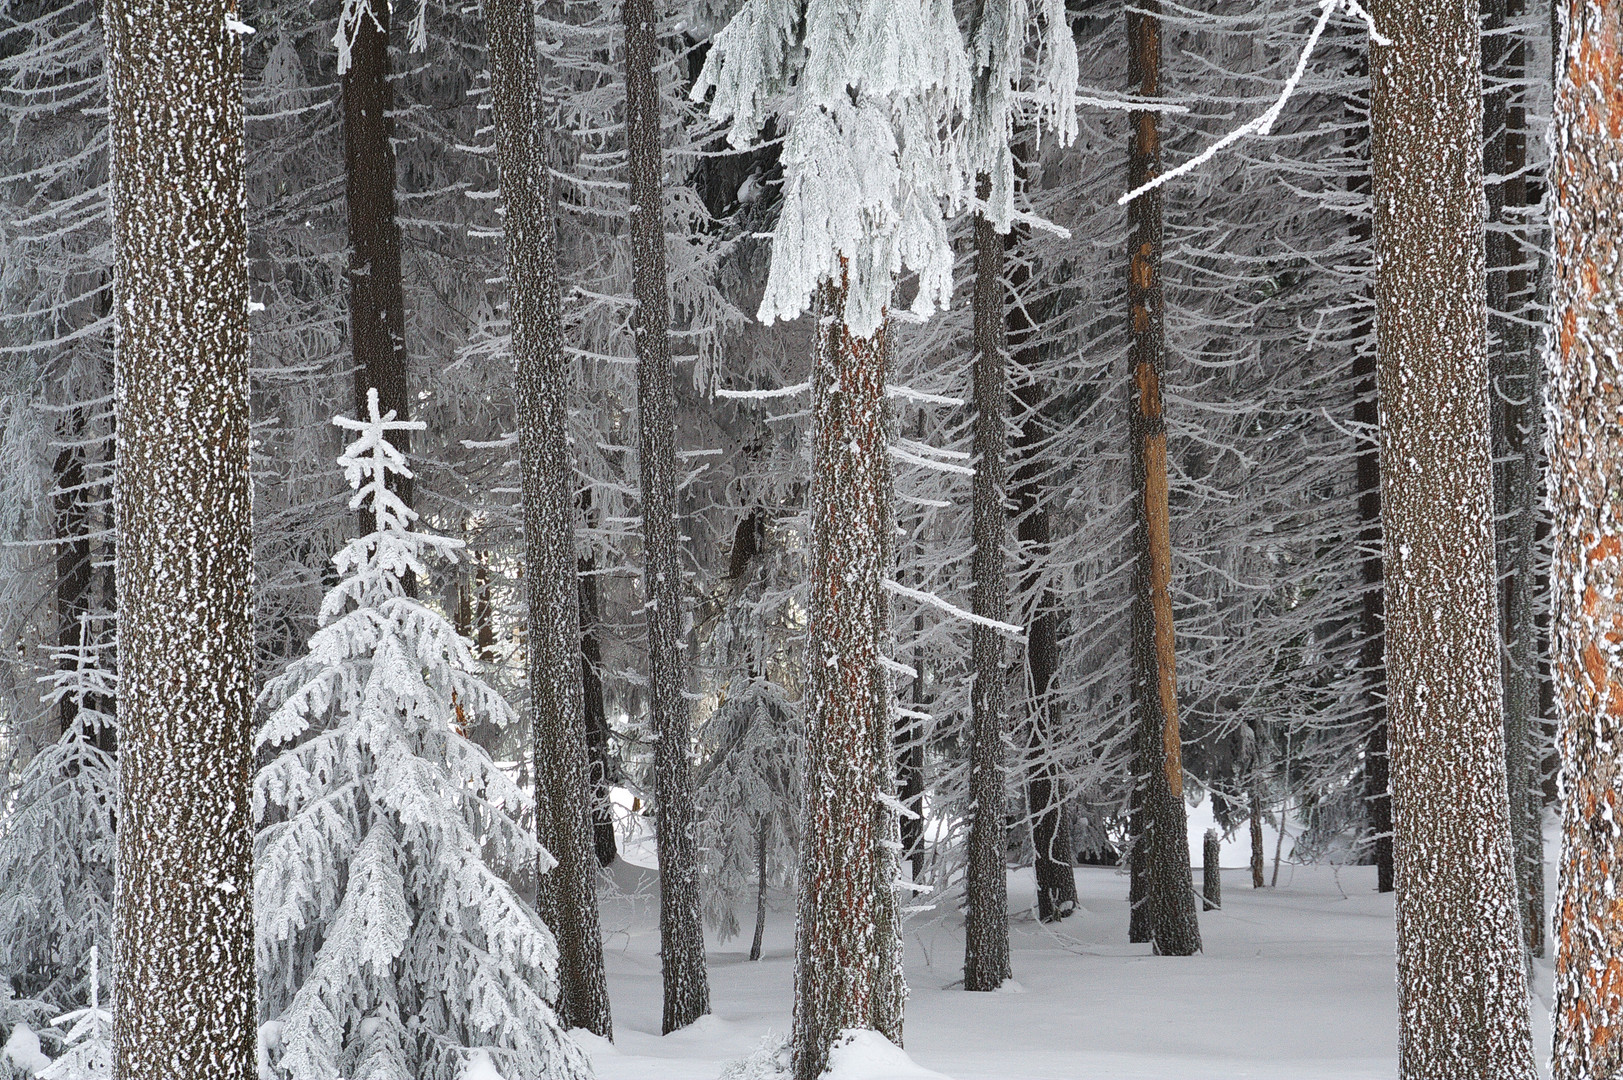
(910, 755)
(1256, 841)
(986, 923)
(566, 896)
(70, 526)
(1586, 400)
(1515, 449)
(1211, 872)
(1462, 989)
(377, 304)
(847, 962)
(183, 920)
(1168, 881)
(604, 842)
(1045, 796)
(681, 934)
(760, 888)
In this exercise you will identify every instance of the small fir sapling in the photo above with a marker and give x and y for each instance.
(88, 1054)
(390, 943)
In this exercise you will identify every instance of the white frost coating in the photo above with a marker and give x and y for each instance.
(355, 12)
(389, 942)
(869, 93)
(88, 1054)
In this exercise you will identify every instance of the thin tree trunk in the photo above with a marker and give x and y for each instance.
(681, 934)
(567, 895)
(847, 964)
(183, 918)
(70, 524)
(910, 771)
(1516, 449)
(760, 887)
(1462, 988)
(604, 842)
(1211, 872)
(1586, 400)
(1045, 796)
(1168, 881)
(1256, 840)
(986, 923)
(377, 304)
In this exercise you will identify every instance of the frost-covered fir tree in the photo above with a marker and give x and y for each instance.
(869, 94)
(390, 943)
(88, 1033)
(57, 844)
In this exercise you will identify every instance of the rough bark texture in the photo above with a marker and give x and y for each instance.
(1211, 872)
(1256, 841)
(1161, 837)
(986, 922)
(681, 934)
(1586, 458)
(847, 943)
(567, 896)
(1462, 988)
(377, 303)
(183, 920)
(1513, 364)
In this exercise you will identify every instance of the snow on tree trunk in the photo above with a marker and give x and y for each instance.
(1462, 988)
(183, 920)
(986, 922)
(1585, 399)
(567, 897)
(377, 301)
(847, 943)
(681, 933)
(1162, 841)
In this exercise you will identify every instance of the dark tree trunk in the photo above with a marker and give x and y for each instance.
(377, 305)
(1462, 989)
(847, 944)
(1168, 883)
(1211, 872)
(1257, 858)
(986, 922)
(604, 842)
(1045, 796)
(1586, 477)
(910, 758)
(760, 888)
(183, 919)
(567, 895)
(71, 527)
(1517, 439)
(681, 933)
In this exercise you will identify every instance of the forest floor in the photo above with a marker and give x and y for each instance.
(1295, 983)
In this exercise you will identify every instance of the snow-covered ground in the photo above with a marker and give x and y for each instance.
(1295, 983)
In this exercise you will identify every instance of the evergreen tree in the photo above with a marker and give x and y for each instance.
(390, 943)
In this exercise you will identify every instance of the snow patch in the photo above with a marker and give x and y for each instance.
(22, 1050)
(859, 1054)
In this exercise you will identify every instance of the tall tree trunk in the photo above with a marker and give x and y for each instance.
(1462, 988)
(681, 934)
(1586, 444)
(70, 526)
(604, 843)
(1513, 366)
(377, 304)
(1045, 796)
(1168, 881)
(1366, 413)
(847, 944)
(1256, 840)
(183, 920)
(567, 895)
(986, 923)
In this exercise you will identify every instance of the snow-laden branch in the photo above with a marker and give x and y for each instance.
(1018, 633)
